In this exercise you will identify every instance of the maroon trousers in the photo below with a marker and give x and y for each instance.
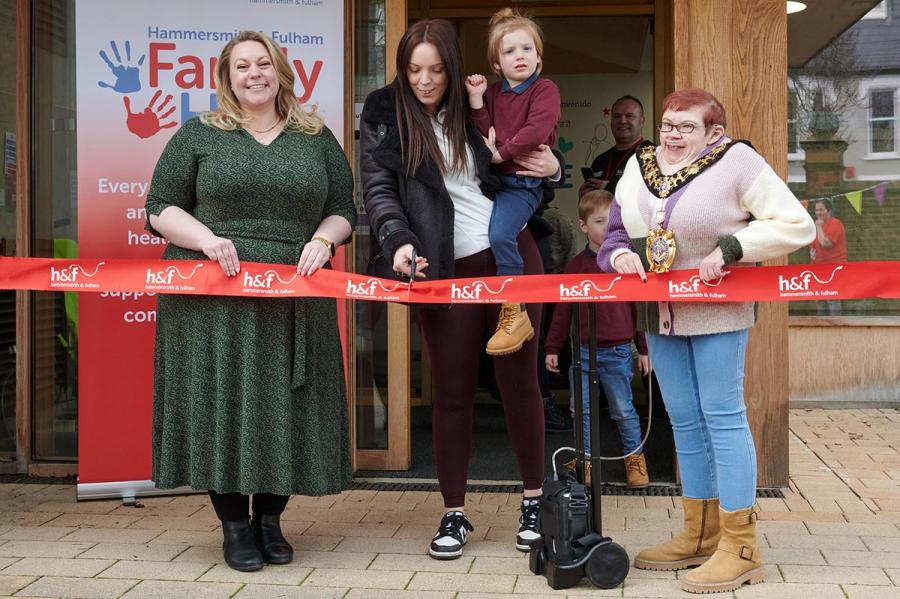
(456, 337)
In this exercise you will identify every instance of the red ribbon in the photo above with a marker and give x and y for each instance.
(852, 280)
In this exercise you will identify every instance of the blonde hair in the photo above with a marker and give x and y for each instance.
(592, 201)
(506, 21)
(228, 114)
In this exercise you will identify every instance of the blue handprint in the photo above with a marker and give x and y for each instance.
(128, 78)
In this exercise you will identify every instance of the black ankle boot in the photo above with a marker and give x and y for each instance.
(240, 550)
(271, 543)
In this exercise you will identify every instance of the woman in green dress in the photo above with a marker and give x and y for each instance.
(249, 395)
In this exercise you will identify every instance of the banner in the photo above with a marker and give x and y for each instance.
(141, 72)
(135, 279)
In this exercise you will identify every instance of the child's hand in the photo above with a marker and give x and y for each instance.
(476, 85)
(644, 364)
(491, 142)
(551, 361)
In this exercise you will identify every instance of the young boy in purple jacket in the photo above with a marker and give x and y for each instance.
(523, 110)
(615, 330)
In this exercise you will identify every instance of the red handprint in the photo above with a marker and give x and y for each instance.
(147, 123)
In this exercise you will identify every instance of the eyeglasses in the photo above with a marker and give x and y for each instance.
(684, 128)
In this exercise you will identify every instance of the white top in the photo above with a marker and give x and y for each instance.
(472, 210)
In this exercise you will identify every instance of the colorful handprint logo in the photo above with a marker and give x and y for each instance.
(152, 119)
(128, 77)
(148, 122)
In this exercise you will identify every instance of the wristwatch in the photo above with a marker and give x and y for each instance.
(326, 242)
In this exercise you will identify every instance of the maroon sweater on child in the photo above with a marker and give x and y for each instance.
(523, 118)
(615, 320)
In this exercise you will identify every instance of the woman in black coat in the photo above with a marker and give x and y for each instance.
(427, 187)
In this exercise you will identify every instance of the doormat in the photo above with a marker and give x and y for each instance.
(24, 479)
(605, 489)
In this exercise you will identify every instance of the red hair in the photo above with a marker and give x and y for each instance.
(688, 99)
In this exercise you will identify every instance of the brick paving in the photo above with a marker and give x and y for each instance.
(835, 535)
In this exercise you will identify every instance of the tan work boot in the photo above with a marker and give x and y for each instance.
(692, 546)
(572, 465)
(737, 559)
(513, 330)
(636, 476)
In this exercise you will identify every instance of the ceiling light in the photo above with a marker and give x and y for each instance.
(793, 6)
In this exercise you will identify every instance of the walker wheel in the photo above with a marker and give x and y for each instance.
(607, 566)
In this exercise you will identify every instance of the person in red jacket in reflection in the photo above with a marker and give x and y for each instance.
(830, 245)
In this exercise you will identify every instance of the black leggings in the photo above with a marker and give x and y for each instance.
(232, 507)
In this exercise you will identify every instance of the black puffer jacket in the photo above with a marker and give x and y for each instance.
(415, 209)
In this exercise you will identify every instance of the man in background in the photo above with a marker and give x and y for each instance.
(626, 122)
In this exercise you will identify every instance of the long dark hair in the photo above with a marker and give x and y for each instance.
(413, 120)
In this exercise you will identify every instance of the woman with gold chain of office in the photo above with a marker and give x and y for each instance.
(700, 201)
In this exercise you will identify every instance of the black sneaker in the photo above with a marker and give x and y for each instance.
(452, 534)
(529, 524)
(555, 420)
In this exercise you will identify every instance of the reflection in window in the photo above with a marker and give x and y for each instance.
(882, 121)
(54, 191)
(843, 141)
(793, 138)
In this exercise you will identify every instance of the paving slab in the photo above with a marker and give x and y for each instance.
(155, 570)
(268, 591)
(135, 551)
(367, 579)
(424, 563)
(11, 584)
(45, 566)
(288, 574)
(43, 549)
(487, 583)
(863, 591)
(37, 533)
(166, 589)
(77, 588)
(835, 574)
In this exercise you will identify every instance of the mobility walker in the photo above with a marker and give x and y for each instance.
(573, 546)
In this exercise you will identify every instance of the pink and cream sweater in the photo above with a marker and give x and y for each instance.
(739, 203)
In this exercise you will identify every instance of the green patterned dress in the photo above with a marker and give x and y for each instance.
(249, 393)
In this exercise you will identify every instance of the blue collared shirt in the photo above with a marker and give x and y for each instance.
(519, 89)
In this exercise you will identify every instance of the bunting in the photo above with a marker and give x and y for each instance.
(855, 199)
(879, 190)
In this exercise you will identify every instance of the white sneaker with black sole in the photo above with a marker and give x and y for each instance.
(451, 535)
(529, 524)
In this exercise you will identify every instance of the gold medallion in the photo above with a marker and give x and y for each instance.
(660, 249)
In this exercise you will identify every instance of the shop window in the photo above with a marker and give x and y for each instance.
(8, 204)
(882, 121)
(843, 139)
(54, 230)
(793, 136)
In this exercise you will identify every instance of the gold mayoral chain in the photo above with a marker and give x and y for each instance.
(660, 240)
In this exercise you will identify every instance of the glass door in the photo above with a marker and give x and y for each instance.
(381, 381)
(8, 226)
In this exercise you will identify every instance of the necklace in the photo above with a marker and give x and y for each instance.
(261, 131)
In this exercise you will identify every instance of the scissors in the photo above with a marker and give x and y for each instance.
(412, 267)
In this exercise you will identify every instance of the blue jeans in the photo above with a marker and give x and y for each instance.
(513, 206)
(614, 369)
(702, 382)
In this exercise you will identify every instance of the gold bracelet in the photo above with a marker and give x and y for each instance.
(326, 242)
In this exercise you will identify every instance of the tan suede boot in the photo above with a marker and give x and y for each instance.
(692, 546)
(737, 559)
(573, 466)
(513, 330)
(636, 476)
